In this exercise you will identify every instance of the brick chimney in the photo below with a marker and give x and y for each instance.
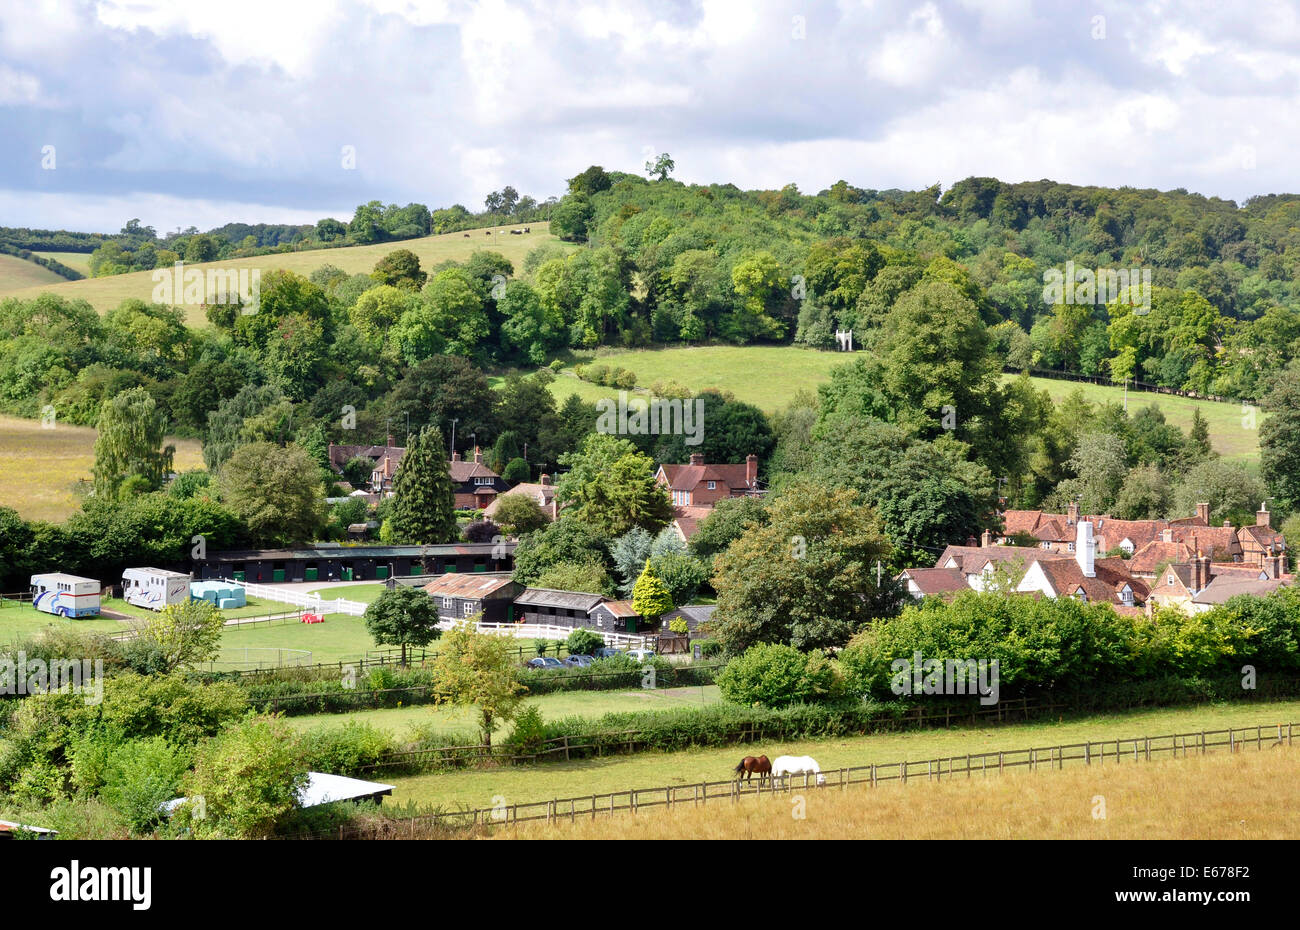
(986, 539)
(390, 441)
(478, 456)
(1262, 515)
(1072, 514)
(1203, 512)
(455, 456)
(1274, 565)
(1201, 574)
(697, 458)
(751, 470)
(545, 480)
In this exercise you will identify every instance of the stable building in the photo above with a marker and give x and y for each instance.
(557, 608)
(459, 595)
(354, 563)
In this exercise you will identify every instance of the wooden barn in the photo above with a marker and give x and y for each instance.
(354, 563)
(463, 594)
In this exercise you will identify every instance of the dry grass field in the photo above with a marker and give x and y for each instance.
(1252, 794)
(106, 293)
(18, 274)
(43, 472)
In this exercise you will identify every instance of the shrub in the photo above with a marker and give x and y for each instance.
(776, 675)
(141, 777)
(529, 733)
(678, 626)
(249, 778)
(345, 750)
(584, 642)
(625, 380)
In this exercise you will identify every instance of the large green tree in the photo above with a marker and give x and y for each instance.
(1279, 439)
(129, 444)
(424, 503)
(276, 491)
(403, 617)
(610, 486)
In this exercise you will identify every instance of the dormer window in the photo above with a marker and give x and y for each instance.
(1127, 596)
(713, 485)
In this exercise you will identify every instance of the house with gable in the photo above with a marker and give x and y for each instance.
(695, 488)
(474, 484)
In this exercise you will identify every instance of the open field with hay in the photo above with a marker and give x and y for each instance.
(44, 473)
(475, 788)
(768, 376)
(18, 274)
(1250, 794)
(106, 293)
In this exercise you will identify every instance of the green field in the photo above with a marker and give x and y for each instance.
(767, 376)
(399, 720)
(20, 621)
(106, 293)
(18, 274)
(44, 472)
(524, 783)
(254, 608)
(77, 261)
(339, 637)
(361, 593)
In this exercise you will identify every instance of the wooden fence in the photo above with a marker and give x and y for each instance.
(1101, 752)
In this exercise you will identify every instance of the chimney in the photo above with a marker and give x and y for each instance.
(986, 539)
(1167, 535)
(1262, 515)
(390, 441)
(1085, 550)
(478, 455)
(751, 470)
(545, 480)
(1072, 517)
(455, 456)
(1203, 512)
(1227, 524)
(697, 458)
(1202, 574)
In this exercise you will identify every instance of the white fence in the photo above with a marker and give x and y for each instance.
(312, 602)
(549, 631)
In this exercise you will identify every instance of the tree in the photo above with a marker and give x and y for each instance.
(424, 504)
(1199, 434)
(277, 492)
(1230, 489)
(564, 540)
(776, 675)
(1279, 440)
(610, 487)
(482, 531)
(400, 268)
(1144, 495)
(660, 167)
(130, 442)
(726, 523)
(518, 514)
(249, 777)
(629, 553)
(589, 576)
(650, 596)
(477, 670)
(683, 575)
(184, 634)
(403, 617)
(817, 585)
(582, 642)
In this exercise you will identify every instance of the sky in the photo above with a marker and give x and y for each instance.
(202, 113)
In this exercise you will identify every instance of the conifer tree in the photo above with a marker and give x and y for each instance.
(650, 597)
(424, 505)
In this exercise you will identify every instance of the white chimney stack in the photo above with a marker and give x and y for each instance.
(1085, 549)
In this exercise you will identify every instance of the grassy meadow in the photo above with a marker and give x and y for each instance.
(77, 261)
(767, 377)
(45, 472)
(524, 783)
(106, 293)
(22, 621)
(1245, 795)
(18, 274)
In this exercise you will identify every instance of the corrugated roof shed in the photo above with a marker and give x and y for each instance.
(568, 600)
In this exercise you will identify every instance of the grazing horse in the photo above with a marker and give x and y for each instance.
(750, 765)
(797, 765)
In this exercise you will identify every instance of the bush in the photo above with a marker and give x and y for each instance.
(345, 750)
(776, 675)
(529, 733)
(584, 642)
(249, 778)
(678, 626)
(141, 777)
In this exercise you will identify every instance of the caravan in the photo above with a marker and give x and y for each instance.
(154, 588)
(65, 595)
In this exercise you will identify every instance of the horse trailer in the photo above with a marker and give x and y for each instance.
(65, 595)
(154, 588)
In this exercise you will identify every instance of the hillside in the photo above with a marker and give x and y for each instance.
(767, 376)
(17, 274)
(105, 293)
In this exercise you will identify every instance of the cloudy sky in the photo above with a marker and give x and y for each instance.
(201, 113)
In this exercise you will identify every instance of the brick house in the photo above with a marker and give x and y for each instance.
(1199, 584)
(474, 484)
(384, 461)
(696, 487)
(543, 492)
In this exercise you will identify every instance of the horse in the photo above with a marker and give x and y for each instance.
(798, 765)
(749, 765)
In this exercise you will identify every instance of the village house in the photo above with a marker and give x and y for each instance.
(1198, 584)
(384, 461)
(543, 492)
(695, 489)
(458, 596)
(474, 484)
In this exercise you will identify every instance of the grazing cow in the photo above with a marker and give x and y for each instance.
(797, 765)
(466, 235)
(526, 229)
(515, 232)
(488, 233)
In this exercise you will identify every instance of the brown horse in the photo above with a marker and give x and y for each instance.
(750, 765)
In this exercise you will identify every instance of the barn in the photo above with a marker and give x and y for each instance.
(557, 608)
(459, 595)
(353, 563)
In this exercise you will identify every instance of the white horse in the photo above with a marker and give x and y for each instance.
(797, 765)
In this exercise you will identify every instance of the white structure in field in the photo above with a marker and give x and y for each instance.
(154, 588)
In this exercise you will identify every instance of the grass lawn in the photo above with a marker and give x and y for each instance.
(19, 621)
(254, 608)
(77, 261)
(18, 274)
(398, 720)
(519, 784)
(1228, 796)
(65, 455)
(106, 293)
(339, 637)
(784, 370)
(362, 593)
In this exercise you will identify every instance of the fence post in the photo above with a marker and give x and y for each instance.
(873, 774)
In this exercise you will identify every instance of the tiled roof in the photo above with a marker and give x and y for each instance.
(619, 608)
(1155, 553)
(937, 580)
(687, 477)
(1111, 576)
(688, 518)
(464, 471)
(971, 559)
(1223, 587)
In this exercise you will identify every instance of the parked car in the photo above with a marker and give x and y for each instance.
(545, 662)
(640, 655)
(607, 652)
(578, 661)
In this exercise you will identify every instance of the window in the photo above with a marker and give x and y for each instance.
(448, 604)
(1127, 596)
(713, 485)
(1170, 580)
(1071, 547)
(482, 481)
(467, 608)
